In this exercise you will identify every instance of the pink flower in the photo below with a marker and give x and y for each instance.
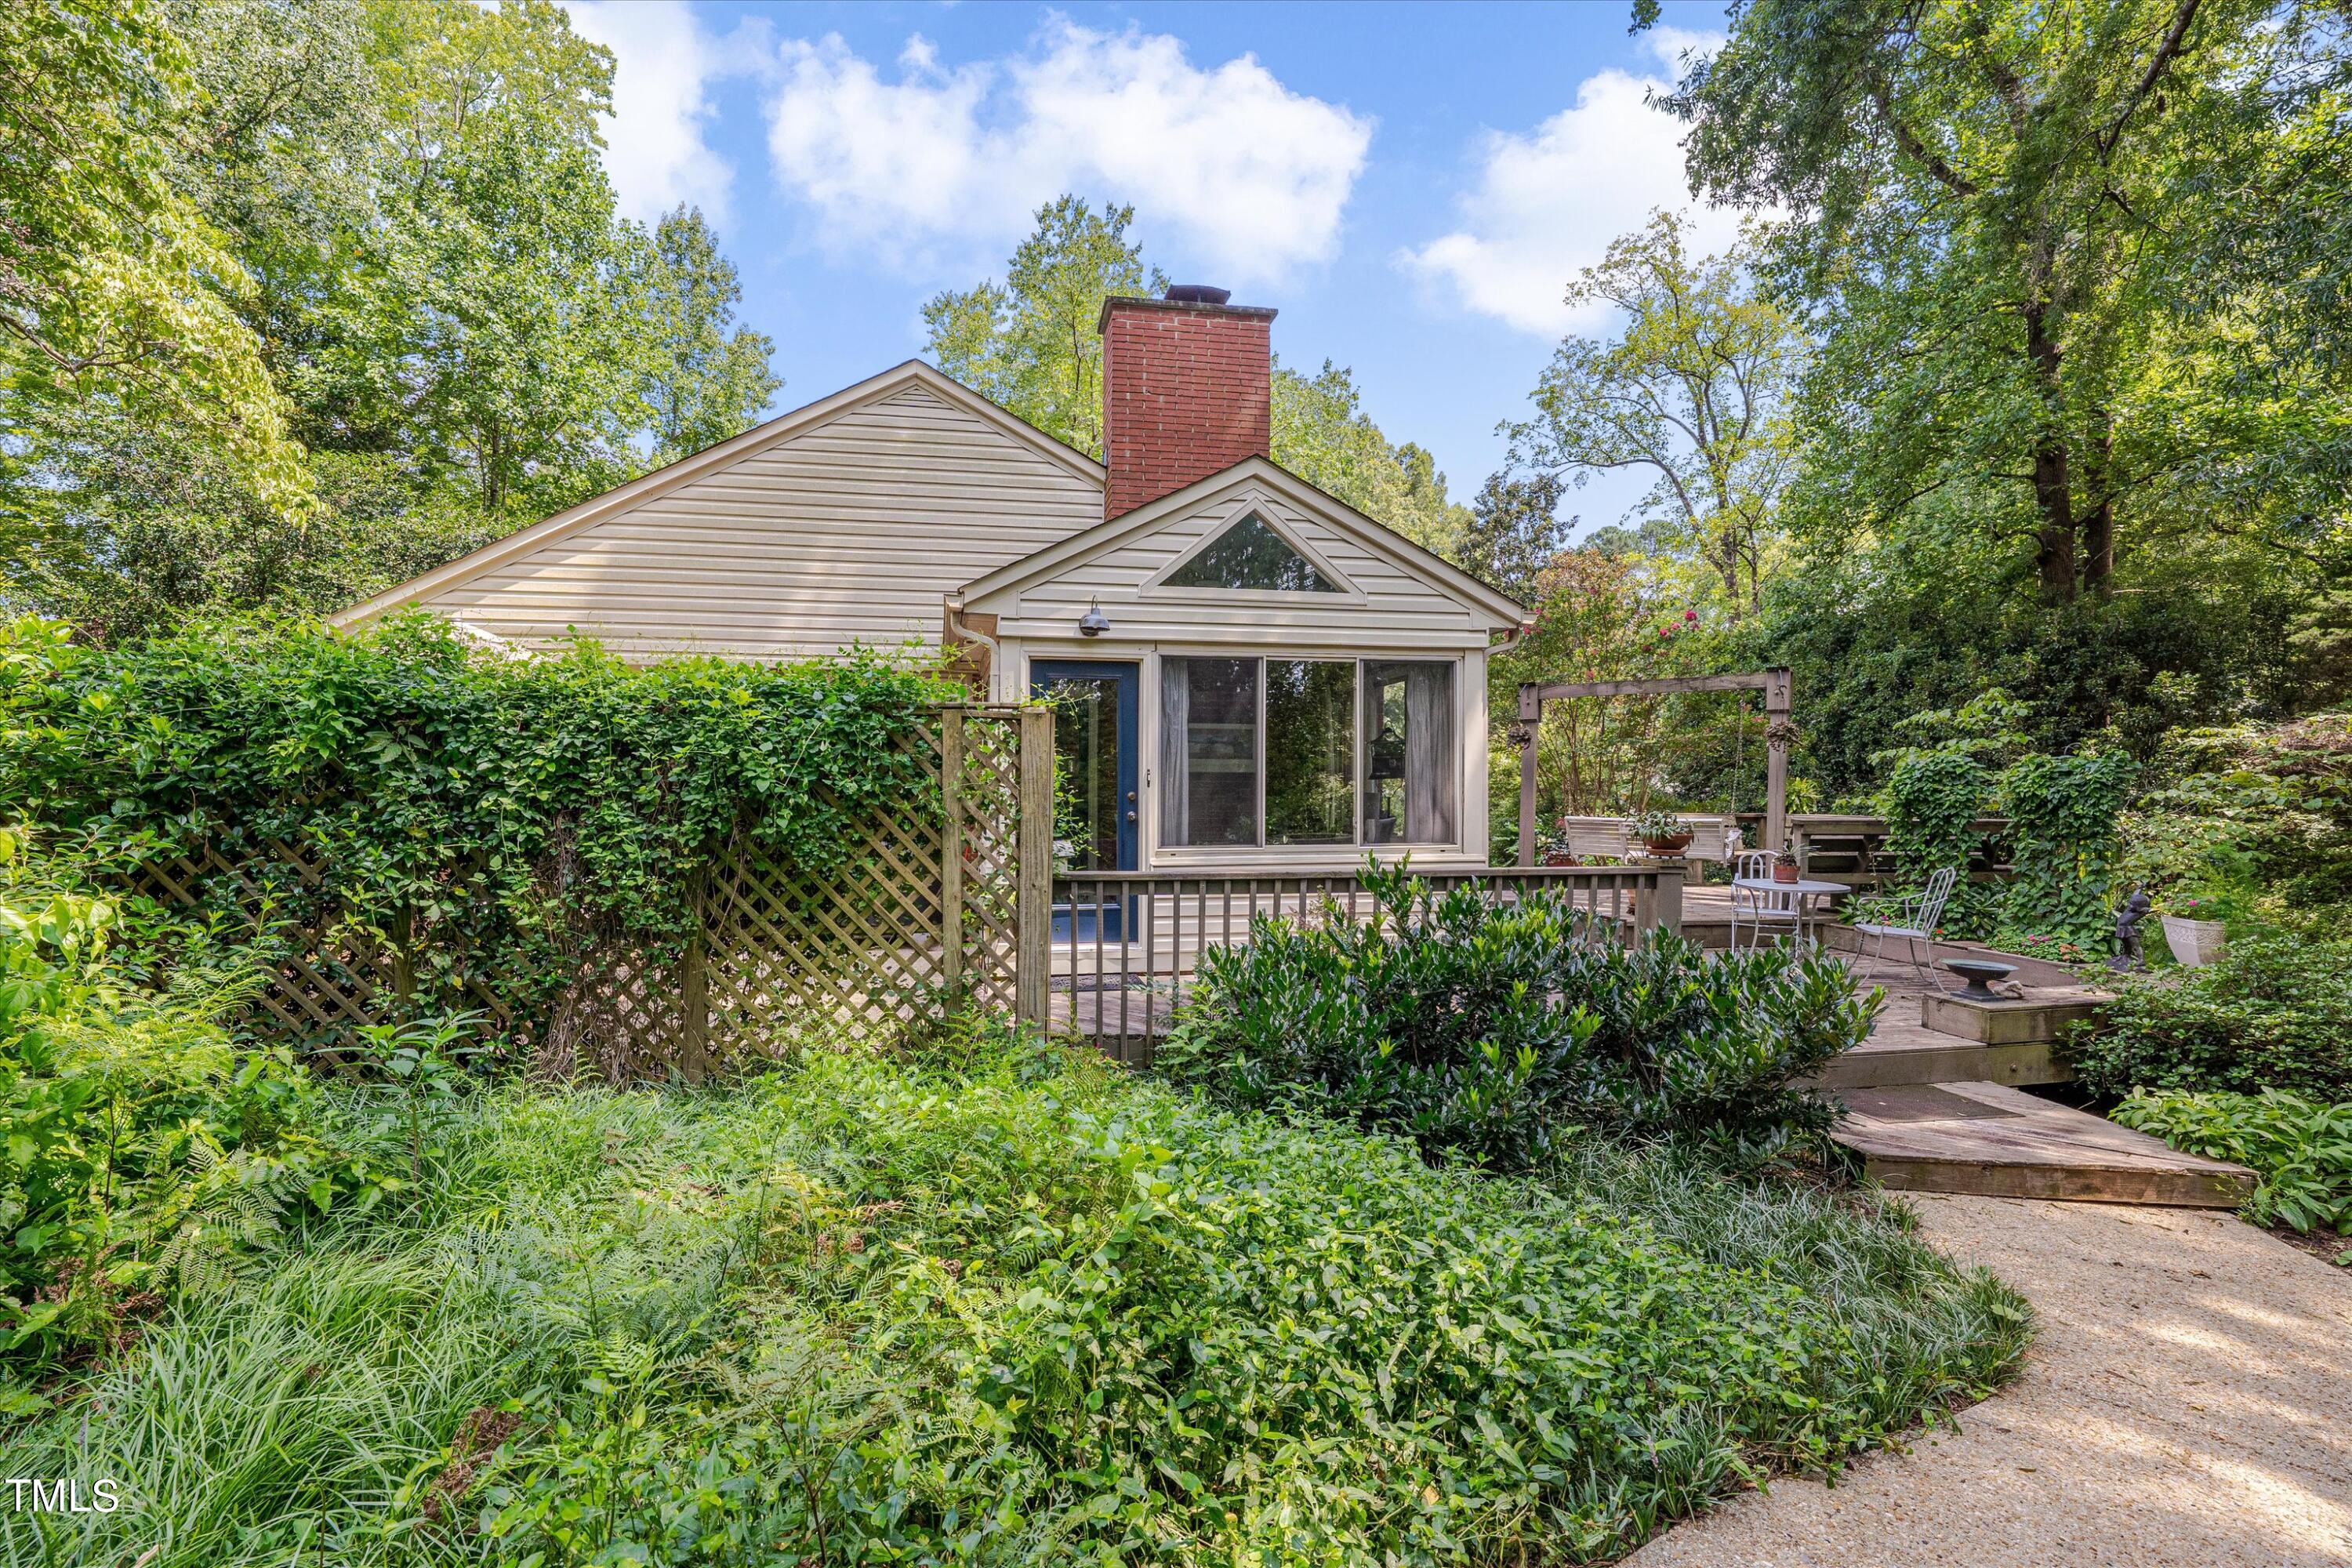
(1690, 615)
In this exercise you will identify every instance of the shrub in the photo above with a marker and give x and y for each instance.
(2301, 1149)
(141, 1155)
(2274, 1013)
(1493, 1029)
(1024, 1307)
(2064, 841)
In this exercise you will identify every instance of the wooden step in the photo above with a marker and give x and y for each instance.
(1898, 1053)
(2044, 1015)
(1995, 1141)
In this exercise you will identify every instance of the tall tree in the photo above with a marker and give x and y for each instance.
(704, 377)
(1029, 344)
(116, 296)
(1987, 201)
(1692, 389)
(1515, 530)
(458, 329)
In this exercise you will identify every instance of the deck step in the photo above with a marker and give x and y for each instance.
(2042, 1017)
(1993, 1140)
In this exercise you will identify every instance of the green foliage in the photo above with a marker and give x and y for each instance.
(1499, 1031)
(2011, 224)
(1931, 803)
(1009, 1305)
(115, 290)
(2301, 1149)
(2063, 843)
(395, 266)
(2274, 1013)
(141, 1156)
(1693, 391)
(519, 811)
(2250, 812)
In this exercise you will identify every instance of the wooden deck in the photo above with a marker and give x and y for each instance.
(1997, 1141)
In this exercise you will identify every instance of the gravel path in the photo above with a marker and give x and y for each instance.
(2186, 1403)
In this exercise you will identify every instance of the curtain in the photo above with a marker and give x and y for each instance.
(1431, 767)
(1175, 779)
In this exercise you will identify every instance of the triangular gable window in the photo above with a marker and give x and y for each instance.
(1251, 554)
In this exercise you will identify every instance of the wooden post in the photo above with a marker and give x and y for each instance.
(1529, 726)
(1035, 847)
(1668, 913)
(1778, 732)
(952, 855)
(694, 987)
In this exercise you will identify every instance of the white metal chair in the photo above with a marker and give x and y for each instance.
(1773, 910)
(1916, 922)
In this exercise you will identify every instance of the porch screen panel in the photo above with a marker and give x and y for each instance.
(1310, 752)
(1411, 765)
(1209, 711)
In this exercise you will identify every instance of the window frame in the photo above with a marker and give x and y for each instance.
(1343, 589)
(1357, 843)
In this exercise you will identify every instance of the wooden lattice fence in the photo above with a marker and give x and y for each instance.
(945, 905)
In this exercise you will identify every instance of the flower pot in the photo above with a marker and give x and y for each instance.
(1667, 849)
(1784, 870)
(1560, 857)
(2194, 943)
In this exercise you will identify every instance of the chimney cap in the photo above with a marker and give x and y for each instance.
(1171, 301)
(1195, 294)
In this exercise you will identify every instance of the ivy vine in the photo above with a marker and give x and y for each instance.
(519, 811)
(2065, 844)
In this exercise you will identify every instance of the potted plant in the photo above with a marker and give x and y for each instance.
(1551, 844)
(1662, 832)
(2193, 930)
(1784, 866)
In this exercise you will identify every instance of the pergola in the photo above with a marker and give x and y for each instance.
(1779, 732)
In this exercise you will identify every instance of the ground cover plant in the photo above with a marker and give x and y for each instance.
(1007, 1303)
(2301, 1149)
(1499, 1031)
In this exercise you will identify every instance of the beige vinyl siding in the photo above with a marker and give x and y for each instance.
(849, 531)
(1392, 609)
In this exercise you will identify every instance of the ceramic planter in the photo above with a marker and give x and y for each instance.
(1667, 849)
(2194, 943)
(1784, 871)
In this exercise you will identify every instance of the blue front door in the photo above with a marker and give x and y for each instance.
(1096, 812)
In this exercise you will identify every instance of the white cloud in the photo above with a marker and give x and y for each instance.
(1251, 177)
(1547, 203)
(654, 147)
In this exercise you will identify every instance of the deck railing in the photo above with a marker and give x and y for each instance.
(1126, 943)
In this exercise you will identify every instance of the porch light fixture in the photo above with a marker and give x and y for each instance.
(1094, 623)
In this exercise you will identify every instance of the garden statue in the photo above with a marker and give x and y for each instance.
(2128, 958)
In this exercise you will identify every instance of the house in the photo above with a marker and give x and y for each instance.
(1248, 673)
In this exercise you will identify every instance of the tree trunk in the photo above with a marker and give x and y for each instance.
(2054, 553)
(2099, 522)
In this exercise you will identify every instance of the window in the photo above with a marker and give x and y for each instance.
(1305, 751)
(1310, 752)
(1209, 711)
(1409, 771)
(1251, 554)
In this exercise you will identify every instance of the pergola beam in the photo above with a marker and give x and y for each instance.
(1779, 732)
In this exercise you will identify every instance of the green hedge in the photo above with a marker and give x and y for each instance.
(514, 808)
(2274, 1013)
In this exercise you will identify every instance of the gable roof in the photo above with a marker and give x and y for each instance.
(712, 459)
(1376, 537)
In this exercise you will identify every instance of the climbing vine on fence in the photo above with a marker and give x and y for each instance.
(521, 809)
(2063, 813)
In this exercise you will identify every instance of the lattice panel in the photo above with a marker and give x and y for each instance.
(858, 955)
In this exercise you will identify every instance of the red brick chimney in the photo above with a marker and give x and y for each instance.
(1187, 390)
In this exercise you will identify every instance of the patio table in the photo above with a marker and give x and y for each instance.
(1805, 889)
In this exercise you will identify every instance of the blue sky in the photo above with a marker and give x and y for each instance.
(1411, 186)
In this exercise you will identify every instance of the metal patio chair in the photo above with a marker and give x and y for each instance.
(1765, 911)
(1915, 922)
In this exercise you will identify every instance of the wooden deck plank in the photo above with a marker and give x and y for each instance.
(1997, 1142)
